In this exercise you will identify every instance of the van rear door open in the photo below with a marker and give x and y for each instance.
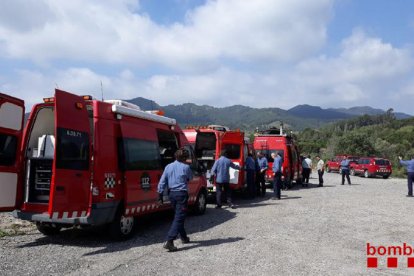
(71, 178)
(11, 131)
(232, 142)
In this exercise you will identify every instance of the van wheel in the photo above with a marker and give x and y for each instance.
(352, 172)
(328, 170)
(122, 227)
(385, 176)
(48, 229)
(340, 171)
(366, 174)
(200, 205)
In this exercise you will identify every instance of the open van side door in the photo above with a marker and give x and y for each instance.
(71, 178)
(11, 132)
(233, 142)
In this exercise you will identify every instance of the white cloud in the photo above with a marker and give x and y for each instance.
(112, 32)
(262, 53)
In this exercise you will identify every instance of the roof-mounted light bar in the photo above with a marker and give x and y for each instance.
(137, 113)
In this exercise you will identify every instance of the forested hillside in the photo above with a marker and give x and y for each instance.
(369, 135)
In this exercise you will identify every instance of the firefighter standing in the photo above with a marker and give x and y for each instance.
(263, 165)
(410, 173)
(345, 170)
(250, 167)
(277, 171)
(221, 169)
(320, 167)
(176, 177)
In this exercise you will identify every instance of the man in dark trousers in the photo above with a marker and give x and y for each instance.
(250, 167)
(277, 171)
(320, 166)
(176, 177)
(263, 165)
(221, 170)
(410, 173)
(345, 170)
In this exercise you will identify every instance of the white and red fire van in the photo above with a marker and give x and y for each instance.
(209, 141)
(80, 161)
(273, 140)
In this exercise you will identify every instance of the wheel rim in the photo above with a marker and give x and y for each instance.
(126, 224)
(201, 202)
(366, 174)
(352, 172)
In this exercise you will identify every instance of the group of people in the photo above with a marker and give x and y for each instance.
(177, 175)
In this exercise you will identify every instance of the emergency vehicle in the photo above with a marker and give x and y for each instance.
(334, 165)
(80, 161)
(372, 167)
(274, 140)
(209, 141)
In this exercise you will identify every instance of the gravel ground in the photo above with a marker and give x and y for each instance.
(313, 231)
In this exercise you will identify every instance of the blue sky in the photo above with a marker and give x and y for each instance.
(262, 53)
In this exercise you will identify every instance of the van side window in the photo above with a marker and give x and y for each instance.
(8, 147)
(233, 150)
(72, 149)
(168, 145)
(135, 154)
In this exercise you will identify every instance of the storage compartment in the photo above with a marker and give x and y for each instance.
(39, 156)
(39, 176)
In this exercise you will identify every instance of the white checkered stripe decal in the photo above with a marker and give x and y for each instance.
(109, 182)
(150, 207)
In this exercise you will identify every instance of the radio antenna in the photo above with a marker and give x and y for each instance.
(102, 91)
(57, 86)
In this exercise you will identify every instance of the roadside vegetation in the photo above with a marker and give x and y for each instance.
(369, 135)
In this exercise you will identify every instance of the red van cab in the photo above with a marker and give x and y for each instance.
(334, 165)
(371, 167)
(273, 140)
(80, 161)
(209, 141)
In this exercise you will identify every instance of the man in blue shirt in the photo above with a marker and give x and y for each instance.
(250, 167)
(176, 177)
(277, 172)
(221, 169)
(263, 166)
(410, 173)
(345, 170)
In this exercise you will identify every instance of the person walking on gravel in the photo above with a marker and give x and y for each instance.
(277, 172)
(345, 170)
(221, 170)
(410, 173)
(176, 177)
(261, 182)
(320, 167)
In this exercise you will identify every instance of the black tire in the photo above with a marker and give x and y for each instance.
(287, 184)
(385, 176)
(200, 206)
(48, 229)
(123, 227)
(366, 174)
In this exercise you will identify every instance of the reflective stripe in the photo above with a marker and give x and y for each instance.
(138, 209)
(65, 215)
(55, 215)
(126, 211)
(83, 214)
(75, 214)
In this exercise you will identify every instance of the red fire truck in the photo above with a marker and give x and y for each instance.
(273, 140)
(81, 161)
(209, 141)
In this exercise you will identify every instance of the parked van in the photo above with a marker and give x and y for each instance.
(273, 140)
(334, 165)
(80, 161)
(371, 167)
(209, 141)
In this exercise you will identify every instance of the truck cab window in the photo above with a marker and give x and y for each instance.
(135, 154)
